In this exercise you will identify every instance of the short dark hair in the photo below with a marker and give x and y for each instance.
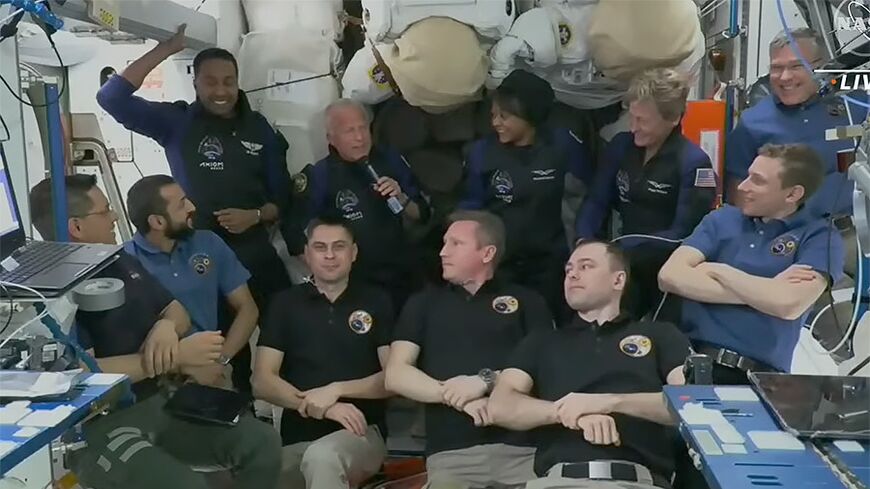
(617, 258)
(144, 200)
(328, 220)
(213, 53)
(490, 229)
(78, 202)
(801, 165)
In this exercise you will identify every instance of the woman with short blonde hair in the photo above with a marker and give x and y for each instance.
(659, 182)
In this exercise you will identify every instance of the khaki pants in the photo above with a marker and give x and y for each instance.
(338, 460)
(481, 466)
(554, 480)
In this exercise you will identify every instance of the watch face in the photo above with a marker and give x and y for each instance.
(487, 375)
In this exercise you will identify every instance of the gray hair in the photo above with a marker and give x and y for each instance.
(341, 104)
(799, 34)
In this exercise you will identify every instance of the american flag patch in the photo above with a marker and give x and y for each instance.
(705, 178)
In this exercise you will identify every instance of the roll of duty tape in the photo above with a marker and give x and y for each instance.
(99, 294)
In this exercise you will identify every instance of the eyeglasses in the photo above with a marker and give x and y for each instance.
(105, 212)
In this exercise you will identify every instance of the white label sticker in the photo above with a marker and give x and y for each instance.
(710, 145)
(299, 93)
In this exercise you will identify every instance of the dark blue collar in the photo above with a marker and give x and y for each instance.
(807, 104)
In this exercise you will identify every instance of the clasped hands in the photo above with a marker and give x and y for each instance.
(322, 403)
(589, 413)
(467, 394)
(196, 355)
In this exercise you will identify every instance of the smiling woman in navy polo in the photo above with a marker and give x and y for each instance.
(519, 174)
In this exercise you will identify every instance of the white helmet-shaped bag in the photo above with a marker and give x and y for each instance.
(438, 64)
(627, 37)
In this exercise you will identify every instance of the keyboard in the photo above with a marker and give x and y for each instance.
(36, 257)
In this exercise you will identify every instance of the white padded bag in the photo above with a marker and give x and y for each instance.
(316, 15)
(296, 110)
(388, 19)
(572, 18)
(533, 38)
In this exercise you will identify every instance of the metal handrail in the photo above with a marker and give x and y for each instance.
(110, 181)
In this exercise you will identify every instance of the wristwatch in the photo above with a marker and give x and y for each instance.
(224, 360)
(259, 215)
(488, 378)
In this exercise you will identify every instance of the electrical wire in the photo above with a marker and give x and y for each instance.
(17, 12)
(796, 51)
(38, 317)
(655, 238)
(59, 94)
(11, 309)
(8, 136)
(291, 82)
(854, 322)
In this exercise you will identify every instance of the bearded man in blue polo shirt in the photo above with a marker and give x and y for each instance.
(196, 267)
(750, 274)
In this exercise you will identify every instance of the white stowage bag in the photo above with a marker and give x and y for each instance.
(388, 19)
(316, 15)
(363, 80)
(295, 110)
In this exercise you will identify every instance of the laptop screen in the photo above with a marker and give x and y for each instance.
(817, 406)
(11, 234)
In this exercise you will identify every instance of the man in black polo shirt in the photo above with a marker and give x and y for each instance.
(140, 446)
(321, 355)
(597, 385)
(449, 345)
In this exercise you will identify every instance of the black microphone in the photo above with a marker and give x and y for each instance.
(393, 203)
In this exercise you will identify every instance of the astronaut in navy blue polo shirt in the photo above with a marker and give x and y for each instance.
(661, 183)
(225, 155)
(378, 209)
(749, 274)
(793, 113)
(519, 175)
(196, 266)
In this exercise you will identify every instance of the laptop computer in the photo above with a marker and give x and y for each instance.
(46, 266)
(817, 406)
